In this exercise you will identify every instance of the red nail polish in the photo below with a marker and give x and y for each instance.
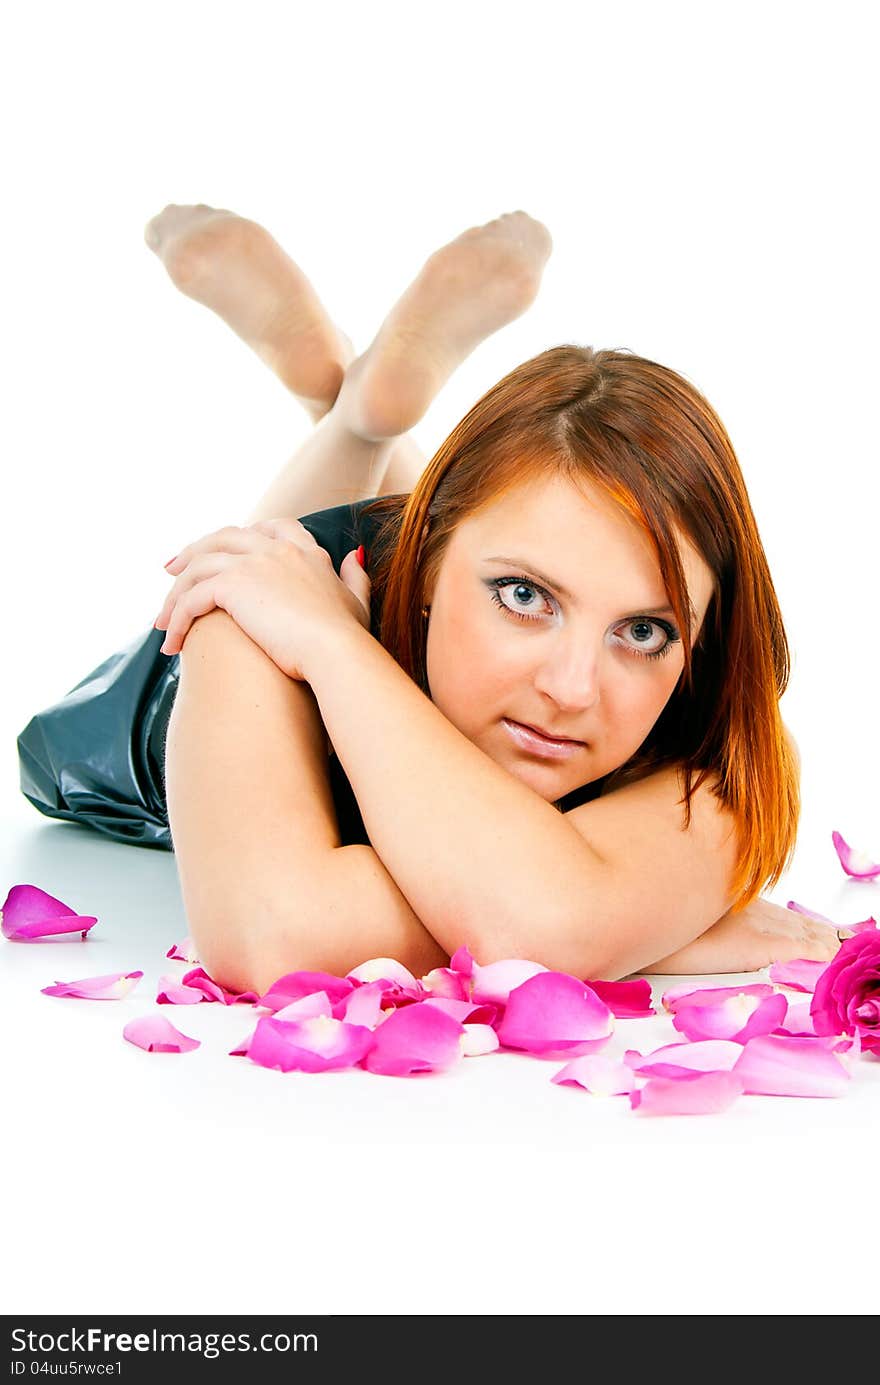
(360, 555)
(170, 561)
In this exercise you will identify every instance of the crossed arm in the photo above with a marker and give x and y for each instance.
(268, 887)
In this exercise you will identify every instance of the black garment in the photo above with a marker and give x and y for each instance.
(98, 755)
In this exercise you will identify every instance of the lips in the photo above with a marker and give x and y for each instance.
(567, 740)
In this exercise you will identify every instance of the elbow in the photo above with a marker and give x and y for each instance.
(245, 963)
(228, 963)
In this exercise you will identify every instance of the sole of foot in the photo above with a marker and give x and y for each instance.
(233, 266)
(466, 290)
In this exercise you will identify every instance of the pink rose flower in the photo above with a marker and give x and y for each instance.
(847, 995)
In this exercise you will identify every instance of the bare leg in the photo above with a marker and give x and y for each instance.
(363, 406)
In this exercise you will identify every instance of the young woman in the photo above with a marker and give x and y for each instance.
(553, 687)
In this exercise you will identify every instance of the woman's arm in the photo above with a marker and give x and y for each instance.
(267, 888)
(483, 860)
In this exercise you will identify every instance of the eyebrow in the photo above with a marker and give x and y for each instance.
(563, 591)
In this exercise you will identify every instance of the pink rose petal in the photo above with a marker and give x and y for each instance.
(172, 991)
(863, 926)
(797, 1021)
(677, 1060)
(478, 1039)
(810, 913)
(799, 975)
(625, 999)
(157, 1035)
(738, 1017)
(29, 912)
(464, 1010)
(598, 1074)
(115, 986)
(299, 983)
(307, 1008)
(320, 1044)
(199, 979)
(554, 1015)
(417, 1038)
(782, 1065)
(700, 1093)
(447, 984)
(462, 962)
(363, 1005)
(710, 995)
(185, 950)
(855, 863)
(493, 983)
(385, 968)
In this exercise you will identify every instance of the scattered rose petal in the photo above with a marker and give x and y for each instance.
(738, 1017)
(810, 913)
(798, 1020)
(782, 1065)
(855, 863)
(848, 990)
(199, 979)
(186, 951)
(320, 1044)
(446, 983)
(865, 924)
(464, 1010)
(799, 975)
(114, 986)
(554, 1015)
(625, 999)
(299, 983)
(417, 1038)
(29, 912)
(363, 1005)
(598, 1074)
(700, 1093)
(676, 1060)
(710, 995)
(172, 991)
(307, 1007)
(493, 983)
(385, 968)
(157, 1035)
(462, 962)
(478, 1039)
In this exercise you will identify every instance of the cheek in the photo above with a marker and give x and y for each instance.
(470, 672)
(637, 699)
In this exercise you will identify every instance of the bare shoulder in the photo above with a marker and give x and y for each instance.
(639, 832)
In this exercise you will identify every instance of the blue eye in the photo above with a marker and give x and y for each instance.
(522, 583)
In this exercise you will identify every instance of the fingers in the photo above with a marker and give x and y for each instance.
(236, 538)
(188, 597)
(198, 601)
(285, 528)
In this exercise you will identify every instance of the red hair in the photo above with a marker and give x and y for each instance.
(658, 449)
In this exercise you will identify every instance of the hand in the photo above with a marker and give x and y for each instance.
(757, 936)
(275, 581)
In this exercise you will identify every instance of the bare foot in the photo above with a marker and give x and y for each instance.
(466, 290)
(236, 268)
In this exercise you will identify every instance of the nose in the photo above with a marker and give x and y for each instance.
(570, 673)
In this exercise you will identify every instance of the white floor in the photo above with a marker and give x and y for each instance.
(201, 1183)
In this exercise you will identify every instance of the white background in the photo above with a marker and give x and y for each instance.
(708, 175)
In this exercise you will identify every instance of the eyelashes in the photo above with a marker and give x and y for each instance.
(497, 584)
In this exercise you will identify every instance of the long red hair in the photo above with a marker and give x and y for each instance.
(653, 443)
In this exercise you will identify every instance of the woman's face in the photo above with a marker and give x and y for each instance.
(545, 609)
